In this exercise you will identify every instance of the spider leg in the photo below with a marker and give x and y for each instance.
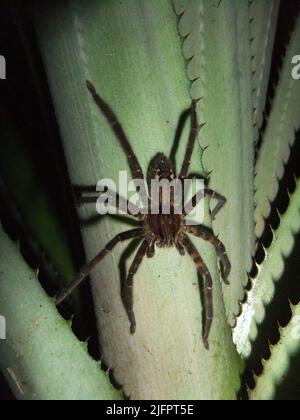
(151, 249)
(79, 278)
(135, 167)
(204, 233)
(121, 203)
(195, 127)
(208, 301)
(180, 247)
(127, 289)
(192, 203)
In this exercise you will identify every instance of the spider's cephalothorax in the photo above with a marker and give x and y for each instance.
(161, 225)
(160, 168)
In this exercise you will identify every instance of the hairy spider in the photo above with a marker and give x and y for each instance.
(163, 230)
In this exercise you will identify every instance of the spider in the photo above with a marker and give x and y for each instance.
(162, 230)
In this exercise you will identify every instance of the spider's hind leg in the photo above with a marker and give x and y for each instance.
(208, 300)
(180, 247)
(84, 272)
(127, 289)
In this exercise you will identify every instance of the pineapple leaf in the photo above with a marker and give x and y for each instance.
(279, 363)
(40, 357)
(131, 52)
(263, 22)
(217, 45)
(269, 272)
(279, 136)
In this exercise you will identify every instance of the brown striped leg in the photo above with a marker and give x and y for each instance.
(79, 278)
(127, 289)
(206, 234)
(195, 127)
(180, 247)
(151, 249)
(208, 301)
(190, 205)
(121, 203)
(135, 167)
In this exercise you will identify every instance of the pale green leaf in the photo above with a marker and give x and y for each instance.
(263, 17)
(269, 272)
(132, 52)
(278, 365)
(40, 357)
(279, 136)
(217, 43)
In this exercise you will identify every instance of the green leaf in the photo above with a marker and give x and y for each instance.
(270, 272)
(217, 43)
(131, 51)
(279, 136)
(263, 17)
(41, 358)
(280, 361)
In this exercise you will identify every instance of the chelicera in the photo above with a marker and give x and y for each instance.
(162, 230)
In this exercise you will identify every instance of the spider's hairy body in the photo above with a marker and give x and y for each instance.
(164, 224)
(165, 228)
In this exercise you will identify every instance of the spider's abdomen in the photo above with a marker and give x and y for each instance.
(165, 227)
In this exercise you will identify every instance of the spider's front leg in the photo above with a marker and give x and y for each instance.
(127, 289)
(121, 203)
(195, 128)
(193, 202)
(117, 128)
(208, 301)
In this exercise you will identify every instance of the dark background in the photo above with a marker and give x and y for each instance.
(26, 99)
